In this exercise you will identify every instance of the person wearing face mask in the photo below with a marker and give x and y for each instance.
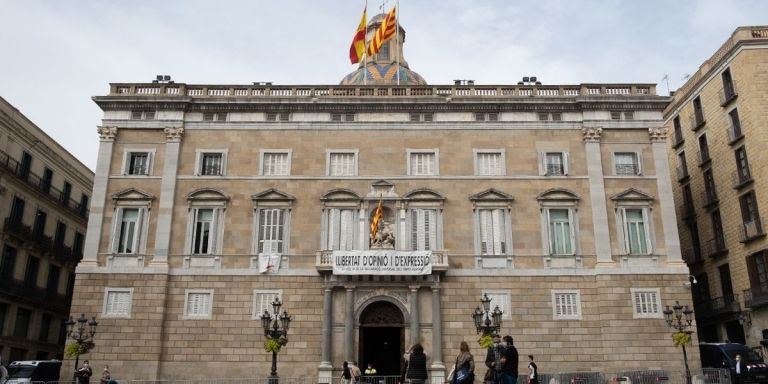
(84, 373)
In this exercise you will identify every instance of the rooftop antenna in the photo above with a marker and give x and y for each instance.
(666, 79)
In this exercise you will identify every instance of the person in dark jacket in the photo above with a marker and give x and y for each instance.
(84, 373)
(416, 373)
(510, 366)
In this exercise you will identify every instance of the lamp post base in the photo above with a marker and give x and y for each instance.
(273, 378)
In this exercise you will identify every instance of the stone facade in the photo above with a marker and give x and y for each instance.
(556, 201)
(44, 193)
(726, 259)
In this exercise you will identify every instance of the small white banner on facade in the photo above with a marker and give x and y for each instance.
(382, 262)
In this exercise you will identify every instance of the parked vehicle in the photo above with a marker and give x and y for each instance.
(33, 370)
(723, 355)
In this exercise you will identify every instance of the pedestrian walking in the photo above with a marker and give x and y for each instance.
(464, 368)
(416, 373)
(355, 372)
(533, 375)
(346, 374)
(495, 360)
(510, 365)
(84, 373)
(105, 376)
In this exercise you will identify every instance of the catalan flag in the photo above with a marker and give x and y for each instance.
(385, 32)
(357, 49)
(375, 221)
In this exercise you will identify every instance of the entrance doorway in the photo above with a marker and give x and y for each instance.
(381, 338)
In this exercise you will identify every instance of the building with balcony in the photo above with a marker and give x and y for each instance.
(211, 200)
(44, 193)
(717, 122)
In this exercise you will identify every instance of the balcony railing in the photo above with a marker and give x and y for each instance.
(678, 137)
(719, 306)
(752, 229)
(682, 172)
(756, 296)
(704, 156)
(697, 121)
(715, 247)
(741, 177)
(41, 297)
(627, 169)
(555, 170)
(710, 197)
(41, 185)
(727, 94)
(734, 133)
(40, 240)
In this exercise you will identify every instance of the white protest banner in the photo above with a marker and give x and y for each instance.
(382, 262)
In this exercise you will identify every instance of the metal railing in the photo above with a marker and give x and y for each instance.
(682, 172)
(723, 305)
(715, 246)
(555, 170)
(734, 132)
(704, 155)
(697, 121)
(41, 185)
(41, 241)
(741, 177)
(627, 169)
(752, 228)
(756, 296)
(727, 94)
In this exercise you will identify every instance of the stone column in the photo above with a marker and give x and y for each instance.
(658, 137)
(414, 298)
(437, 369)
(98, 198)
(325, 370)
(597, 195)
(167, 194)
(349, 325)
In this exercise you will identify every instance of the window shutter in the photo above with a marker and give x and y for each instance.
(498, 243)
(754, 281)
(414, 230)
(484, 228)
(431, 225)
(213, 242)
(566, 163)
(572, 230)
(139, 231)
(542, 163)
(639, 157)
(333, 229)
(647, 231)
(345, 242)
(420, 233)
(622, 229)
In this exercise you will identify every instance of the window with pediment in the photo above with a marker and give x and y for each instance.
(633, 222)
(492, 213)
(272, 222)
(205, 226)
(131, 221)
(559, 222)
(424, 222)
(340, 220)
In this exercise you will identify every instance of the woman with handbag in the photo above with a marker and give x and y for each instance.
(464, 367)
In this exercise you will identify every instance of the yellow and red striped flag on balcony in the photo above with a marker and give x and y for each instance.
(385, 32)
(357, 49)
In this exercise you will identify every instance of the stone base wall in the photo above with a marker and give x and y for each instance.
(158, 342)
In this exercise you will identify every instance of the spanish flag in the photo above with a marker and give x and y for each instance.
(385, 32)
(357, 49)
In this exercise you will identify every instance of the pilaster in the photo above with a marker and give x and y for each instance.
(98, 198)
(349, 325)
(173, 137)
(598, 202)
(414, 299)
(658, 138)
(325, 369)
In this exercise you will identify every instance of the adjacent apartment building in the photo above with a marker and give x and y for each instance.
(210, 200)
(718, 140)
(44, 195)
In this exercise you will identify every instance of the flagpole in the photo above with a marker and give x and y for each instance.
(397, 38)
(365, 47)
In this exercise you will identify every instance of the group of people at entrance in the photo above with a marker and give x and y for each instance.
(501, 360)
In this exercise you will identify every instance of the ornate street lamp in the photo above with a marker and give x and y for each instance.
(486, 321)
(80, 335)
(275, 331)
(680, 318)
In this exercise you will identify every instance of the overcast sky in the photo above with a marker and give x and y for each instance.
(56, 54)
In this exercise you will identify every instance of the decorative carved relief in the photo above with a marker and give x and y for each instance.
(592, 134)
(106, 133)
(365, 295)
(382, 312)
(174, 133)
(658, 134)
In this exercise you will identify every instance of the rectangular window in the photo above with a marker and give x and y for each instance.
(615, 115)
(422, 163)
(83, 207)
(717, 231)
(728, 89)
(33, 268)
(757, 266)
(561, 234)
(198, 304)
(742, 166)
(489, 163)
(734, 130)
(629, 115)
(142, 115)
(341, 229)
(339, 117)
(215, 116)
(750, 215)
(26, 165)
(8, 263)
(211, 164)
(117, 302)
(77, 244)
(129, 222)
(282, 116)
(543, 116)
(555, 163)
(45, 183)
(492, 232)
(54, 274)
(262, 301)
(500, 299)
(566, 305)
(276, 164)
(45, 328)
(203, 232)
(271, 230)
(698, 114)
(66, 192)
(678, 130)
(646, 303)
(682, 166)
(23, 316)
(709, 186)
(38, 228)
(557, 116)
(342, 164)
(3, 314)
(636, 240)
(423, 229)
(60, 234)
(138, 163)
(626, 163)
(703, 149)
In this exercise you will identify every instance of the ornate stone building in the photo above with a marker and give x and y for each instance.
(717, 127)
(44, 193)
(210, 200)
